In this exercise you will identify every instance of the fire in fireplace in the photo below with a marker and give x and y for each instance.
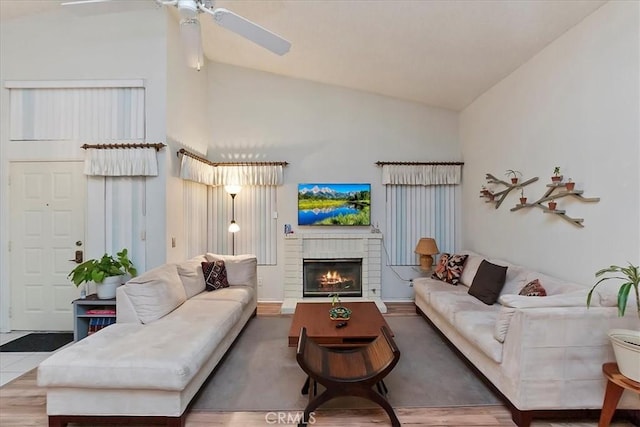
(324, 277)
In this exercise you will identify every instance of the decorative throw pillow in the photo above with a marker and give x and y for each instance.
(488, 282)
(449, 268)
(533, 289)
(215, 275)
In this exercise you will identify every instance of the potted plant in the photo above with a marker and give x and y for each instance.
(514, 175)
(337, 310)
(484, 191)
(570, 185)
(523, 200)
(625, 342)
(556, 178)
(552, 205)
(107, 273)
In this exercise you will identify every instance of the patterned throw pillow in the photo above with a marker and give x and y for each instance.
(215, 275)
(533, 289)
(449, 268)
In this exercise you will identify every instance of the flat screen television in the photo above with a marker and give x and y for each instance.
(334, 204)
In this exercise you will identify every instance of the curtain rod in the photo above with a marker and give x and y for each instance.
(209, 162)
(157, 146)
(419, 163)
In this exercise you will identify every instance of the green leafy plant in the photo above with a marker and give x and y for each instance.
(97, 269)
(556, 171)
(631, 280)
(513, 173)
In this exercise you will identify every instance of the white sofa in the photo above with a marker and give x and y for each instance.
(543, 354)
(169, 336)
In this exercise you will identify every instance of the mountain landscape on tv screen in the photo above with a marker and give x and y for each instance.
(334, 204)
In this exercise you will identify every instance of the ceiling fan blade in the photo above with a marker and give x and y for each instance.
(250, 30)
(98, 7)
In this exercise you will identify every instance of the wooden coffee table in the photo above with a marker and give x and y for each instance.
(363, 327)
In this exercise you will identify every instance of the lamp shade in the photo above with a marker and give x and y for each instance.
(426, 247)
(232, 189)
(234, 227)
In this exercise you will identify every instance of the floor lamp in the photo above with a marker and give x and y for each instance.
(233, 191)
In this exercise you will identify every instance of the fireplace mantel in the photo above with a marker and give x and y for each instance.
(299, 246)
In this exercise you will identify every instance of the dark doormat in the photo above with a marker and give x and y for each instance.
(38, 341)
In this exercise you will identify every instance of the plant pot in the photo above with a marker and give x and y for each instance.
(107, 289)
(626, 347)
(556, 179)
(523, 200)
(570, 186)
(339, 313)
(552, 206)
(514, 180)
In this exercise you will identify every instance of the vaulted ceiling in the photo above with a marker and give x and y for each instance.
(443, 53)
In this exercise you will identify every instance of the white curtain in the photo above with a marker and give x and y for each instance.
(254, 213)
(421, 174)
(196, 218)
(121, 162)
(204, 173)
(421, 201)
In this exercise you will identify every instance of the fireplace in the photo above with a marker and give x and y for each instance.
(325, 277)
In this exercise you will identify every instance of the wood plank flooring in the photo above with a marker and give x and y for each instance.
(23, 404)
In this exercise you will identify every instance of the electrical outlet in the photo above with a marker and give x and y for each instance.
(173, 242)
(259, 282)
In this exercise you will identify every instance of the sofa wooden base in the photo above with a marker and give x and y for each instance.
(63, 420)
(519, 417)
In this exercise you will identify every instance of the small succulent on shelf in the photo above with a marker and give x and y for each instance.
(552, 205)
(514, 175)
(556, 175)
(523, 200)
(630, 276)
(570, 185)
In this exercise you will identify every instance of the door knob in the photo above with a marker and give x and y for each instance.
(78, 257)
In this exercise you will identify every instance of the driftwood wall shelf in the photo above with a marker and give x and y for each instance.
(555, 190)
(498, 197)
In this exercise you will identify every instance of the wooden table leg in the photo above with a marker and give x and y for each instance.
(611, 398)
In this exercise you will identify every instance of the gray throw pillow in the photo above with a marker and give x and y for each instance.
(488, 282)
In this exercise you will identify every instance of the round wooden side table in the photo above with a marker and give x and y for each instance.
(616, 384)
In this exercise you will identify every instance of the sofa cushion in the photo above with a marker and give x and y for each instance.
(570, 299)
(215, 275)
(156, 293)
(449, 303)
(533, 289)
(449, 268)
(488, 282)
(241, 269)
(241, 294)
(470, 269)
(190, 273)
(502, 323)
(477, 327)
(164, 355)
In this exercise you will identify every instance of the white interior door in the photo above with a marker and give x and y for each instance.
(47, 203)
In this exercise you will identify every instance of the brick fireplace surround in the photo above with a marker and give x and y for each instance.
(299, 246)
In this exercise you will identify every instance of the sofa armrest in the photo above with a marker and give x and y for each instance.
(558, 350)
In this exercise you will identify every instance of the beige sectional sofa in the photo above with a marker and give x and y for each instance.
(541, 353)
(169, 336)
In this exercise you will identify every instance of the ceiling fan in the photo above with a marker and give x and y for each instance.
(190, 27)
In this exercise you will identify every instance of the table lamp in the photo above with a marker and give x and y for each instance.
(425, 248)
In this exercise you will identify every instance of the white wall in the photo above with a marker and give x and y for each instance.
(327, 134)
(62, 46)
(574, 105)
(186, 128)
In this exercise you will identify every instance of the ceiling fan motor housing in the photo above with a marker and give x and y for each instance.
(188, 8)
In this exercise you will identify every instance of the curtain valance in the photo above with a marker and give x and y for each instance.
(436, 174)
(200, 170)
(121, 162)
